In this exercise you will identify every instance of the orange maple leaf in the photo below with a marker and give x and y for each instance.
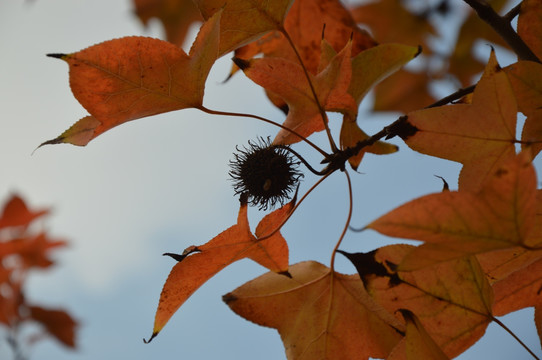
(287, 79)
(304, 24)
(391, 22)
(530, 25)
(454, 224)
(526, 79)
(16, 213)
(133, 77)
(480, 135)
(58, 323)
(244, 21)
(319, 313)
(463, 61)
(33, 251)
(452, 300)
(368, 68)
(417, 343)
(197, 264)
(175, 15)
(403, 91)
(519, 290)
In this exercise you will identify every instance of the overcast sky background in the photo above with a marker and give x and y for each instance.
(159, 185)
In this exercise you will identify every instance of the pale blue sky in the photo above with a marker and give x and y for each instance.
(159, 185)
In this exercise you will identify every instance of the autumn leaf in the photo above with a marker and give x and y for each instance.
(519, 290)
(454, 224)
(244, 21)
(452, 300)
(526, 78)
(368, 68)
(499, 264)
(287, 79)
(21, 249)
(176, 16)
(530, 25)
(373, 65)
(319, 313)
(197, 264)
(133, 77)
(351, 134)
(403, 91)
(58, 323)
(11, 299)
(417, 343)
(16, 213)
(391, 22)
(531, 136)
(304, 23)
(480, 135)
(463, 62)
(33, 251)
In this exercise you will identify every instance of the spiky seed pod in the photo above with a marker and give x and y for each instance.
(267, 173)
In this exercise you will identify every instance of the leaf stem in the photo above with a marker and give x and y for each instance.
(334, 147)
(347, 224)
(302, 159)
(501, 324)
(502, 26)
(452, 97)
(226, 113)
(267, 236)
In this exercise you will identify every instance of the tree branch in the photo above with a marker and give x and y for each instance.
(502, 26)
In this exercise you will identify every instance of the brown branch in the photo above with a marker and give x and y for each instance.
(502, 26)
(452, 97)
(509, 16)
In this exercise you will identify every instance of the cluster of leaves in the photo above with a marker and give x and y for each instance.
(22, 249)
(482, 244)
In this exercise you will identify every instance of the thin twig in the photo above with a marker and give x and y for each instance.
(509, 16)
(267, 236)
(501, 324)
(452, 97)
(348, 219)
(302, 159)
(227, 113)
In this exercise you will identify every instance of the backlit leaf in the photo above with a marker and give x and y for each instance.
(319, 314)
(133, 77)
(480, 135)
(453, 224)
(452, 300)
(519, 290)
(16, 213)
(417, 343)
(530, 25)
(287, 79)
(197, 264)
(243, 21)
(58, 323)
(175, 15)
(305, 22)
